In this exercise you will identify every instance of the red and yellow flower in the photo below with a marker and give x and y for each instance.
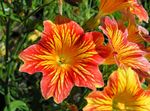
(136, 33)
(123, 52)
(66, 57)
(120, 94)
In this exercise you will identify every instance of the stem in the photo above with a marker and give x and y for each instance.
(7, 39)
(7, 93)
(60, 4)
(2, 7)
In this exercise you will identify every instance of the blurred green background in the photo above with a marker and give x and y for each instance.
(21, 23)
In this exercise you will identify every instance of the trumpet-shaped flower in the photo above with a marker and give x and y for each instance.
(66, 57)
(122, 93)
(109, 6)
(123, 52)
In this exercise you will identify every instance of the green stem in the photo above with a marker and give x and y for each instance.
(7, 92)
(2, 7)
(81, 103)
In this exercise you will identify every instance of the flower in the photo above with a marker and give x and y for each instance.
(136, 33)
(107, 7)
(66, 57)
(123, 52)
(110, 6)
(138, 10)
(122, 93)
(2, 49)
(34, 35)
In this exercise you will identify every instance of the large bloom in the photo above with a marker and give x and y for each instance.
(123, 52)
(66, 57)
(122, 93)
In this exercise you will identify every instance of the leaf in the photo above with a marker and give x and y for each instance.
(17, 104)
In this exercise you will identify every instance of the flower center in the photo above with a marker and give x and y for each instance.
(122, 102)
(62, 60)
(118, 106)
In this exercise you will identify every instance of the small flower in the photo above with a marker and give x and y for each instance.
(123, 52)
(66, 57)
(2, 49)
(122, 93)
(34, 36)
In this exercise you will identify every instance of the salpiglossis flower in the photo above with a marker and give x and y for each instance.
(136, 33)
(66, 57)
(123, 52)
(122, 93)
(110, 6)
(107, 7)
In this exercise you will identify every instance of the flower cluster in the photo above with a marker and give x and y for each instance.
(67, 57)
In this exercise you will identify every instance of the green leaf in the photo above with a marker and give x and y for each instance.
(15, 17)
(17, 104)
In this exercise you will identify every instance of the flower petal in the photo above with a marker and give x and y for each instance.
(141, 13)
(88, 76)
(32, 63)
(86, 69)
(98, 101)
(57, 84)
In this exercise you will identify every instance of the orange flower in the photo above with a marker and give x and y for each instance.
(66, 57)
(136, 33)
(110, 6)
(123, 52)
(122, 93)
